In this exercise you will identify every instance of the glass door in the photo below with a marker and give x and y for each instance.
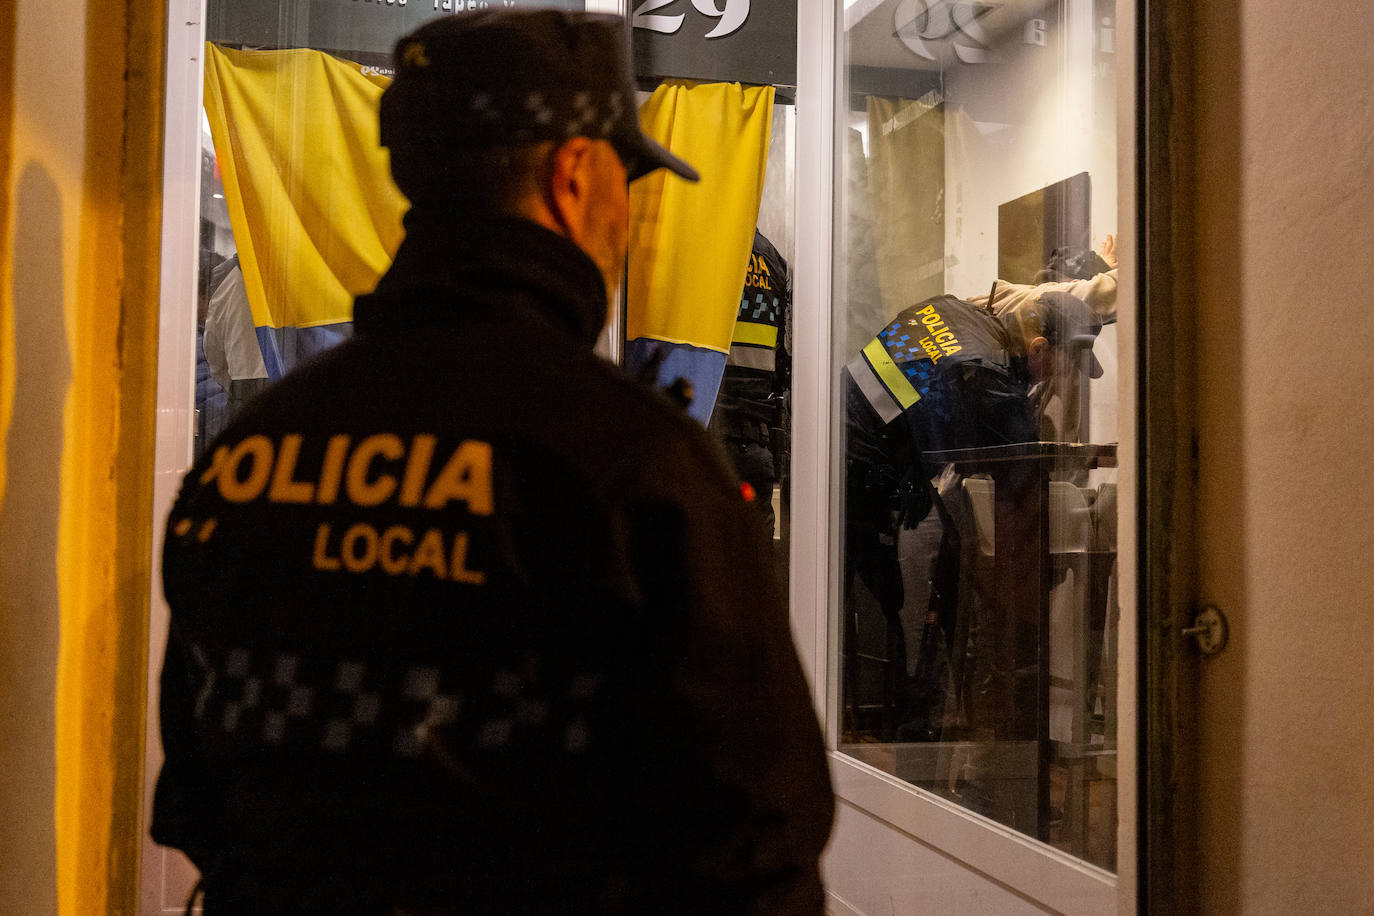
(975, 450)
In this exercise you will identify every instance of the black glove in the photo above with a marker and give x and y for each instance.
(916, 504)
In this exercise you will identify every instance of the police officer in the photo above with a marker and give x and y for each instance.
(942, 374)
(750, 414)
(452, 629)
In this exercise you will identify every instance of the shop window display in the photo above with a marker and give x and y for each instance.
(299, 213)
(298, 210)
(975, 396)
(708, 299)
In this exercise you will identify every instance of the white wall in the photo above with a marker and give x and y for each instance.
(1034, 115)
(1031, 116)
(1284, 191)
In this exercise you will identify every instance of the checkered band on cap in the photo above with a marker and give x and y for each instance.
(491, 78)
(487, 117)
(542, 114)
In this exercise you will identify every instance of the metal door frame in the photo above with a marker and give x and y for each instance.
(1003, 856)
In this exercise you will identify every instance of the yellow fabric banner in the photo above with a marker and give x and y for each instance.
(690, 243)
(315, 214)
(906, 167)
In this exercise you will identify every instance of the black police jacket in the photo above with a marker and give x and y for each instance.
(457, 625)
(758, 367)
(944, 368)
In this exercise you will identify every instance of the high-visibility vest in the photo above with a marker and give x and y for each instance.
(899, 366)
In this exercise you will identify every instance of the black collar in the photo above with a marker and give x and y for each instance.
(447, 268)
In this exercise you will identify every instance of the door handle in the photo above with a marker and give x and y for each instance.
(1210, 630)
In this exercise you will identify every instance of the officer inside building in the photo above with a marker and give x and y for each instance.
(1083, 274)
(463, 620)
(751, 410)
(943, 374)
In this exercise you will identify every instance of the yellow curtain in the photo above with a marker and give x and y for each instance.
(690, 243)
(906, 173)
(315, 214)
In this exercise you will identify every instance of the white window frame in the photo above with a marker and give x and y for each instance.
(1013, 860)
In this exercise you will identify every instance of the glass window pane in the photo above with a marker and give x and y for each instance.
(298, 210)
(975, 324)
(708, 295)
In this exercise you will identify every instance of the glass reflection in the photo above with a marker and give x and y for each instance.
(298, 210)
(975, 333)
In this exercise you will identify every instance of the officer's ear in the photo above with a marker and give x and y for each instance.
(571, 186)
(1040, 358)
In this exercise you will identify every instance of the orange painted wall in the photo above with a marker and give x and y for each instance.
(79, 162)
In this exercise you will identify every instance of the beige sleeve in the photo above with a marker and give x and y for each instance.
(1099, 293)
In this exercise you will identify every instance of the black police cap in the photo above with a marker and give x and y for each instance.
(498, 77)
